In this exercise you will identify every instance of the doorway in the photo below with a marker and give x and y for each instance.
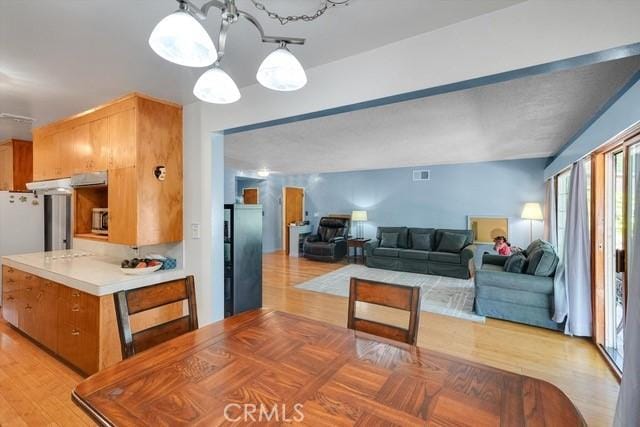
(292, 211)
(615, 251)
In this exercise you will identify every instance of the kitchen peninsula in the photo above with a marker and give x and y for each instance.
(64, 301)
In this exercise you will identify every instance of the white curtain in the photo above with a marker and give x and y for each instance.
(572, 291)
(550, 226)
(628, 409)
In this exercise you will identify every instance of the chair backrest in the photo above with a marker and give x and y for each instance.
(401, 297)
(330, 227)
(141, 300)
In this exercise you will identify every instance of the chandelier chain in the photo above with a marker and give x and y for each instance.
(324, 6)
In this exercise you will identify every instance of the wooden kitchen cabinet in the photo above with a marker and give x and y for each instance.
(130, 138)
(122, 139)
(16, 164)
(11, 301)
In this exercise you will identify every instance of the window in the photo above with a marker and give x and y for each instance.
(562, 199)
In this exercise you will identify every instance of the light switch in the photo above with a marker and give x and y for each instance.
(195, 231)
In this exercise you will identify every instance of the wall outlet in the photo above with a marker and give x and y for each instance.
(195, 231)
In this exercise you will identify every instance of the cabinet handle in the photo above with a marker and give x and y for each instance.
(10, 298)
(10, 270)
(28, 277)
(28, 289)
(75, 332)
(11, 281)
(76, 308)
(75, 294)
(28, 308)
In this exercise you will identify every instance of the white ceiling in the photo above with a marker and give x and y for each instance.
(523, 118)
(62, 57)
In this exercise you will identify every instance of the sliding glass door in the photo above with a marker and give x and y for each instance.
(615, 239)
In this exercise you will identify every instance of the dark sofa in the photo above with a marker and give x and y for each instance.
(330, 242)
(519, 290)
(423, 250)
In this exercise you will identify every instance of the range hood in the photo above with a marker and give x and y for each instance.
(92, 179)
(52, 187)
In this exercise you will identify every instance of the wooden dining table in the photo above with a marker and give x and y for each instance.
(272, 367)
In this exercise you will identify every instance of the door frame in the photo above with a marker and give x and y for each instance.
(599, 169)
(285, 227)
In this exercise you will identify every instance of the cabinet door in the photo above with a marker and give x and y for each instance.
(82, 148)
(43, 158)
(6, 167)
(28, 322)
(78, 328)
(100, 145)
(123, 206)
(63, 153)
(11, 302)
(47, 315)
(122, 139)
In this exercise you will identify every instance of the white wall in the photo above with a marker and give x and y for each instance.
(527, 34)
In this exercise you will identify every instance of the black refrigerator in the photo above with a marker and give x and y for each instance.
(242, 258)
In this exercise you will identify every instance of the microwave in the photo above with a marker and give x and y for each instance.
(99, 220)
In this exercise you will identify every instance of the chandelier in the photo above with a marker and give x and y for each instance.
(180, 38)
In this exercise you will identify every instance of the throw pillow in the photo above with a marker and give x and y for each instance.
(515, 263)
(421, 242)
(389, 240)
(452, 242)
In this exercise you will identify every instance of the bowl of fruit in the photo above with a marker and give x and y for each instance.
(138, 266)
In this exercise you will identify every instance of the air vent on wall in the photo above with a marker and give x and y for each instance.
(422, 175)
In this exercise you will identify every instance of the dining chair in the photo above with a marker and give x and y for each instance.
(406, 298)
(141, 300)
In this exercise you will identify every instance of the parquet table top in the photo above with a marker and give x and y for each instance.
(271, 366)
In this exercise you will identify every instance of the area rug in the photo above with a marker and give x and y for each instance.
(440, 295)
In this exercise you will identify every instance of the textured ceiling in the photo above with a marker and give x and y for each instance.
(523, 118)
(61, 57)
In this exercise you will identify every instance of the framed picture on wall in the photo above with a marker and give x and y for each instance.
(486, 228)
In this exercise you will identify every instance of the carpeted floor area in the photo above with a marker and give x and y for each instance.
(440, 295)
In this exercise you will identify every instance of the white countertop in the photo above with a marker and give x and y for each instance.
(95, 274)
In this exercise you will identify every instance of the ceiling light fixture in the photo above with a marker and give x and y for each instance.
(181, 39)
(17, 118)
(264, 173)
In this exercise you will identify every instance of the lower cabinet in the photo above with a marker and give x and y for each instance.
(62, 319)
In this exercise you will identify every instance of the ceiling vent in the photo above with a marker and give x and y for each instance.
(421, 175)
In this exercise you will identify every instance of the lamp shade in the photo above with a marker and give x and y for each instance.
(359, 215)
(181, 39)
(281, 71)
(215, 86)
(532, 211)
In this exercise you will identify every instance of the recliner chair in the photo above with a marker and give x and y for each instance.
(330, 243)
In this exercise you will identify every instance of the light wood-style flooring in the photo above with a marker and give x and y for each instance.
(35, 387)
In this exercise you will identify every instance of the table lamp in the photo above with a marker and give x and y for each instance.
(532, 211)
(359, 217)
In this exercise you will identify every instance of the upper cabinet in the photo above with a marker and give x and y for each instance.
(16, 164)
(130, 138)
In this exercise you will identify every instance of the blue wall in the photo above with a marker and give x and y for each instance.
(621, 115)
(391, 197)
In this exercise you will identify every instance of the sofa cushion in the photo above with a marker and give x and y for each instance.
(452, 242)
(492, 267)
(542, 261)
(422, 242)
(515, 263)
(387, 252)
(535, 244)
(413, 254)
(447, 257)
(415, 232)
(439, 233)
(403, 235)
(389, 240)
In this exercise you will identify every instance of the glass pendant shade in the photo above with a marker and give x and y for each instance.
(181, 39)
(215, 86)
(281, 71)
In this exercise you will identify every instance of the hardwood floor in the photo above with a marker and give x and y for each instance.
(35, 388)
